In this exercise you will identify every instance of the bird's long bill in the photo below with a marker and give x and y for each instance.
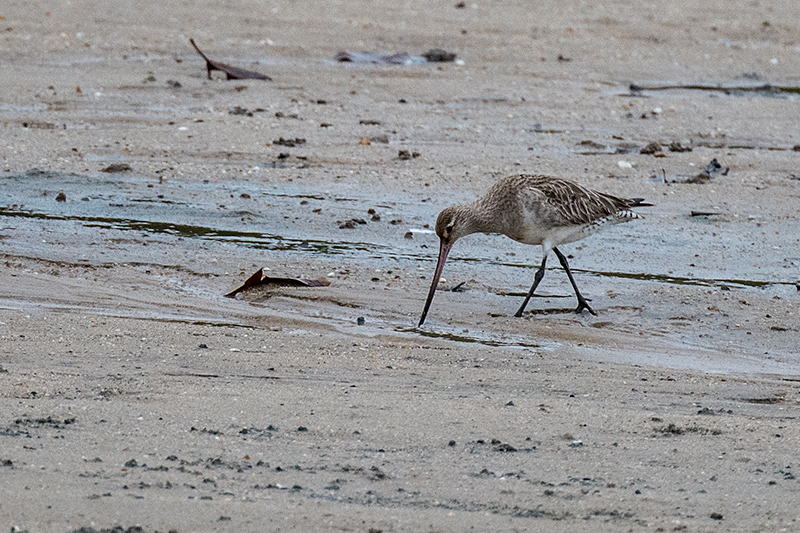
(444, 249)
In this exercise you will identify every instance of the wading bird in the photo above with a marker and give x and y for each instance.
(532, 209)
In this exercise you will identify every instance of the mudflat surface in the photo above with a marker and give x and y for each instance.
(134, 394)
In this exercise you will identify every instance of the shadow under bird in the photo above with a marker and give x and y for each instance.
(532, 209)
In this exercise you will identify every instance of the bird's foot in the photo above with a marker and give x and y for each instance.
(582, 304)
(518, 314)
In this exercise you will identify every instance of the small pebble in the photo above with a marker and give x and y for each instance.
(117, 167)
(651, 148)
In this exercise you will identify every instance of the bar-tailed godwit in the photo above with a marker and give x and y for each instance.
(532, 209)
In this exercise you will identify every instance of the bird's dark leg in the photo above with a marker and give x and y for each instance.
(536, 280)
(581, 300)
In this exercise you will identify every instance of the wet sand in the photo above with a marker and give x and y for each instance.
(135, 394)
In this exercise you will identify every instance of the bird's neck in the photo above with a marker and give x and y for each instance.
(478, 219)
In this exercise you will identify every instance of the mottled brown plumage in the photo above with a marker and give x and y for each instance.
(532, 209)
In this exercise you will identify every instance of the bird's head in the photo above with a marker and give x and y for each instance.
(452, 224)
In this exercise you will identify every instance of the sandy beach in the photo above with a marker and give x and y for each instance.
(135, 193)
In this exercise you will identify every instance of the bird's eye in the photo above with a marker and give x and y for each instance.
(449, 228)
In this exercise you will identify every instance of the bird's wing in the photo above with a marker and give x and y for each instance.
(576, 204)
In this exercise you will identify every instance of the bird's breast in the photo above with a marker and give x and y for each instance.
(554, 235)
(532, 225)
